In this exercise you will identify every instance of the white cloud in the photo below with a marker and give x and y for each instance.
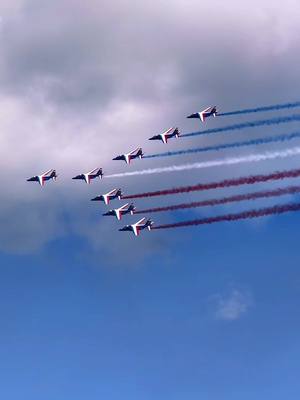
(232, 306)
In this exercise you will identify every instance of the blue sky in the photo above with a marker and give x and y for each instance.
(87, 311)
(76, 328)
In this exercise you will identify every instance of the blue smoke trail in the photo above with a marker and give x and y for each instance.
(253, 142)
(245, 125)
(275, 107)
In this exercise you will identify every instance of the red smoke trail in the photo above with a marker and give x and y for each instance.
(225, 200)
(248, 180)
(262, 212)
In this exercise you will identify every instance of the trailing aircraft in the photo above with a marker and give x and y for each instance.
(202, 115)
(46, 176)
(171, 132)
(87, 177)
(137, 153)
(118, 212)
(138, 226)
(113, 194)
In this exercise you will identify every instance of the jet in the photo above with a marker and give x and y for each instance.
(46, 176)
(118, 212)
(137, 153)
(94, 173)
(113, 194)
(208, 112)
(171, 132)
(138, 226)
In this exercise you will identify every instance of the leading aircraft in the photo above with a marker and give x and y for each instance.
(118, 212)
(171, 132)
(136, 153)
(46, 176)
(87, 177)
(113, 194)
(202, 115)
(138, 226)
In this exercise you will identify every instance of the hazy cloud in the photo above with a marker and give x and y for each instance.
(233, 305)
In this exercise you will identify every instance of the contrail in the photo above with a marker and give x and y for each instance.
(253, 142)
(244, 125)
(275, 107)
(246, 180)
(213, 163)
(224, 200)
(262, 212)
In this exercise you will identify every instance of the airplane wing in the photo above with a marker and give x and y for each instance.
(47, 173)
(171, 132)
(127, 158)
(134, 151)
(137, 226)
(136, 230)
(112, 192)
(140, 222)
(124, 207)
(118, 211)
(106, 198)
(168, 131)
(92, 171)
(118, 214)
(202, 114)
(95, 172)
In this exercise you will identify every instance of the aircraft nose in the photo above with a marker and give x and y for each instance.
(195, 115)
(97, 198)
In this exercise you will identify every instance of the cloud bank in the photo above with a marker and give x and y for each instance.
(81, 83)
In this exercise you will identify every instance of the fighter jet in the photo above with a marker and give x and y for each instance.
(208, 112)
(46, 176)
(171, 132)
(138, 226)
(118, 212)
(94, 173)
(137, 153)
(113, 194)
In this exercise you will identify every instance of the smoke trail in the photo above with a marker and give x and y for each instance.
(244, 125)
(253, 142)
(213, 163)
(246, 180)
(262, 212)
(224, 200)
(275, 107)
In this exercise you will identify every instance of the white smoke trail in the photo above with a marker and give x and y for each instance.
(213, 163)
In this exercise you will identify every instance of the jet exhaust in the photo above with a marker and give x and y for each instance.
(253, 142)
(214, 163)
(245, 125)
(225, 200)
(246, 180)
(275, 107)
(262, 212)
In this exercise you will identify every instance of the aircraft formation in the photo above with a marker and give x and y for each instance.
(174, 133)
